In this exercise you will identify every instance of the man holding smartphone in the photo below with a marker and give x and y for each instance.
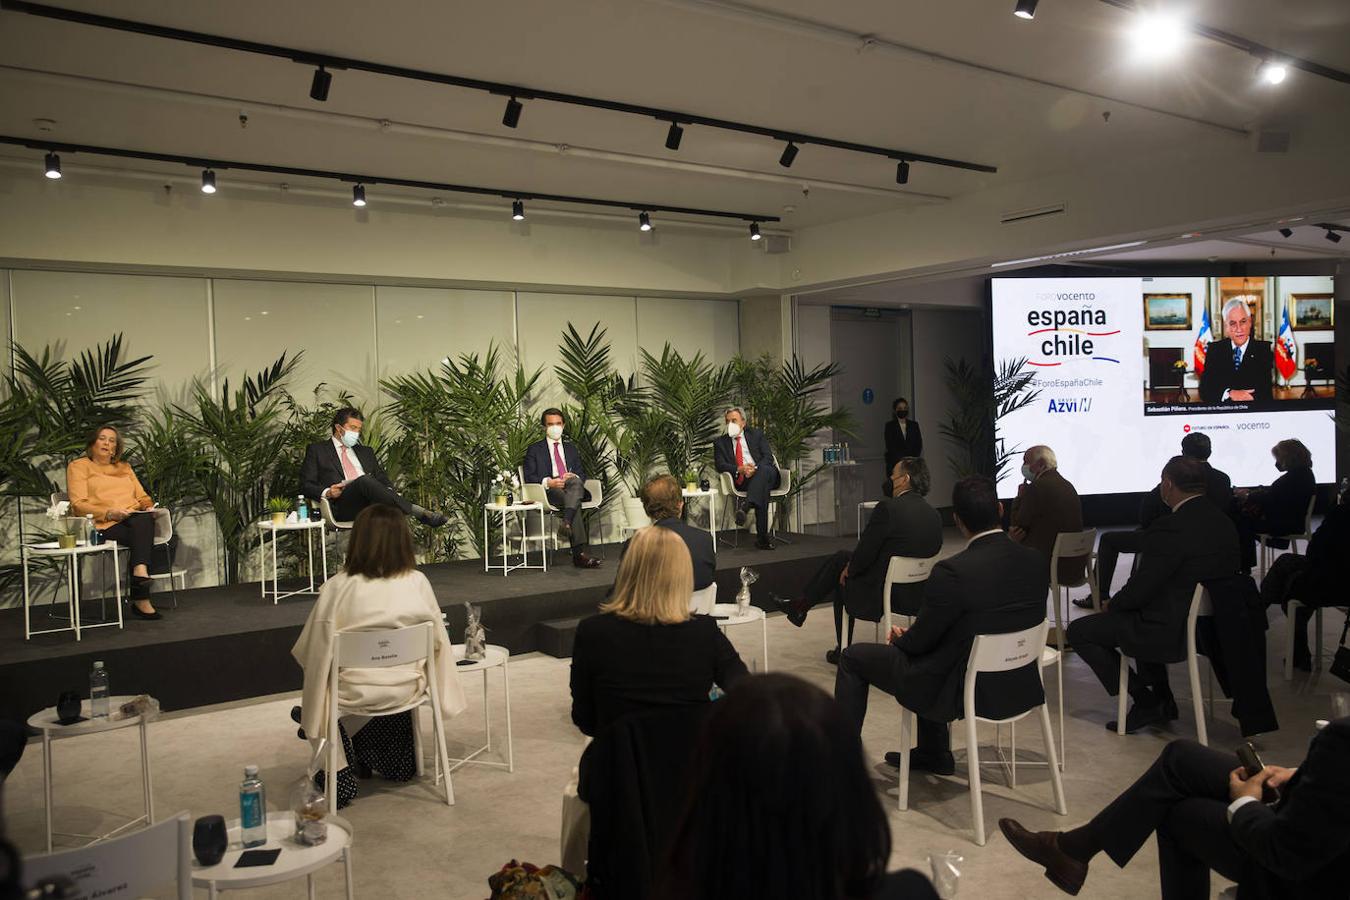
(1209, 815)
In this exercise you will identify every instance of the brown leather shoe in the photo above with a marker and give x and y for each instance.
(1042, 848)
(583, 561)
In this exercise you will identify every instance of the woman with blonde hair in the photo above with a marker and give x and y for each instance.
(643, 650)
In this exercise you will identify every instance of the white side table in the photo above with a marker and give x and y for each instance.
(294, 861)
(496, 657)
(308, 526)
(726, 615)
(711, 496)
(522, 510)
(45, 721)
(72, 557)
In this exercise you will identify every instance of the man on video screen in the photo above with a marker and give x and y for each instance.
(1237, 368)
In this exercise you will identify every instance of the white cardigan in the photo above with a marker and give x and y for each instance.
(356, 603)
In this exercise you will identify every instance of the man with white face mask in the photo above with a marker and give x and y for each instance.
(347, 472)
(745, 454)
(556, 464)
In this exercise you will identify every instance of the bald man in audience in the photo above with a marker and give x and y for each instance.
(1046, 506)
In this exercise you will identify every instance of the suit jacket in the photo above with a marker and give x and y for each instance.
(1254, 374)
(1046, 507)
(901, 526)
(700, 546)
(1218, 488)
(538, 463)
(1195, 543)
(1284, 505)
(322, 468)
(1234, 639)
(1300, 848)
(724, 454)
(994, 586)
(898, 445)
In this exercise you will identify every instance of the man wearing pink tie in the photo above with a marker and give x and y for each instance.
(556, 465)
(346, 472)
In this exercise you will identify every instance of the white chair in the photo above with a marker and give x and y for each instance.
(1201, 605)
(134, 865)
(1291, 614)
(1070, 545)
(539, 494)
(329, 519)
(727, 486)
(702, 602)
(992, 653)
(378, 650)
(163, 535)
(900, 570)
(1263, 540)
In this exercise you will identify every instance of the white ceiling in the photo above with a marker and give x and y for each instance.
(766, 65)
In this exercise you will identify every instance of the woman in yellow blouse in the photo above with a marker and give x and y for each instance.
(101, 484)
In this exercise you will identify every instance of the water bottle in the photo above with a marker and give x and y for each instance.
(252, 809)
(847, 458)
(716, 693)
(302, 509)
(98, 691)
(90, 532)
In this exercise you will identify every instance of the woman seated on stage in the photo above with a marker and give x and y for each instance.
(1281, 508)
(101, 484)
(644, 650)
(378, 589)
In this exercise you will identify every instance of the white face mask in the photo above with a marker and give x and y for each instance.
(350, 438)
(1027, 473)
(554, 432)
(733, 430)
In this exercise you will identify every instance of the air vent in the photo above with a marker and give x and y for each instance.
(776, 243)
(1021, 215)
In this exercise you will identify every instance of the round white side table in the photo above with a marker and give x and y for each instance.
(294, 861)
(72, 557)
(726, 615)
(308, 526)
(522, 511)
(495, 656)
(711, 496)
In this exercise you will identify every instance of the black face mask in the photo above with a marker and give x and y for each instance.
(902, 414)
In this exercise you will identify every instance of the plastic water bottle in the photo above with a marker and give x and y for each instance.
(716, 693)
(252, 809)
(91, 535)
(302, 509)
(98, 691)
(847, 458)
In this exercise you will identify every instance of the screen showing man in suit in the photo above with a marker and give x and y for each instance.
(556, 464)
(1238, 369)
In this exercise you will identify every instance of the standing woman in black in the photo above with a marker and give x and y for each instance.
(903, 438)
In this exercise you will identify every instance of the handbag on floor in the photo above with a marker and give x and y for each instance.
(1340, 666)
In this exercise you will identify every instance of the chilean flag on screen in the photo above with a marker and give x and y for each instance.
(1201, 341)
(1286, 352)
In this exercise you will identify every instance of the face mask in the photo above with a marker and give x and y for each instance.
(902, 414)
(733, 430)
(1027, 473)
(350, 438)
(554, 432)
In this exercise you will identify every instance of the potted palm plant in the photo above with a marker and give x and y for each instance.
(279, 507)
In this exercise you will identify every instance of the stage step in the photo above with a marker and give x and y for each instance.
(555, 636)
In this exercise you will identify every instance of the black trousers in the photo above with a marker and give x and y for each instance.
(1096, 638)
(363, 492)
(1109, 548)
(863, 666)
(569, 500)
(825, 583)
(1183, 798)
(757, 488)
(136, 532)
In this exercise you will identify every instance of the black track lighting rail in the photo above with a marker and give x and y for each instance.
(217, 164)
(516, 92)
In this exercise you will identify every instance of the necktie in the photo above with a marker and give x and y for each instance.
(1237, 356)
(347, 468)
(558, 459)
(740, 461)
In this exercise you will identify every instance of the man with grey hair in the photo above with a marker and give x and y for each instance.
(1046, 506)
(1237, 368)
(744, 453)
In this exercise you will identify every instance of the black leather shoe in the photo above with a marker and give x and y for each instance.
(295, 714)
(1083, 602)
(832, 656)
(432, 519)
(583, 561)
(1143, 717)
(791, 608)
(939, 763)
(740, 513)
(148, 616)
(1042, 848)
(763, 544)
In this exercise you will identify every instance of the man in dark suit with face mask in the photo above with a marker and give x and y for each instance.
(745, 454)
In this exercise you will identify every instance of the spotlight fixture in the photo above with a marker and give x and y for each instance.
(902, 172)
(789, 154)
(318, 88)
(208, 181)
(1333, 236)
(754, 232)
(518, 210)
(1158, 35)
(1272, 72)
(52, 166)
(1287, 232)
(1026, 9)
(359, 195)
(645, 223)
(673, 136)
(511, 116)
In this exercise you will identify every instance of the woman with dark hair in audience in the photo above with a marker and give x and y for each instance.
(781, 805)
(101, 484)
(1281, 508)
(379, 589)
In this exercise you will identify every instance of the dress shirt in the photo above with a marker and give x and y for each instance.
(976, 537)
(1238, 804)
(553, 460)
(1238, 353)
(739, 441)
(904, 427)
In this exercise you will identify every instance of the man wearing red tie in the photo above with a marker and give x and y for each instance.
(556, 465)
(745, 454)
(346, 471)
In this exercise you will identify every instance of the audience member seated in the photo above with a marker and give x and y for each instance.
(993, 586)
(781, 805)
(101, 484)
(1208, 814)
(903, 436)
(904, 525)
(745, 454)
(556, 464)
(1147, 618)
(1047, 505)
(664, 505)
(644, 650)
(1281, 508)
(1318, 579)
(1218, 488)
(347, 472)
(378, 589)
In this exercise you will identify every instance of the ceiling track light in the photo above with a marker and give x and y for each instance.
(511, 115)
(1271, 71)
(318, 88)
(518, 210)
(902, 172)
(645, 222)
(1333, 236)
(52, 166)
(754, 232)
(1025, 9)
(208, 181)
(1287, 232)
(789, 154)
(674, 136)
(359, 195)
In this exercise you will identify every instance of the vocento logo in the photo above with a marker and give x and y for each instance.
(1069, 334)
